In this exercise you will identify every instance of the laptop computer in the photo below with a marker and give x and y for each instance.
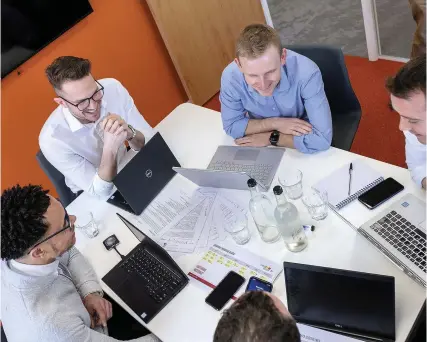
(361, 305)
(141, 180)
(146, 279)
(237, 164)
(399, 232)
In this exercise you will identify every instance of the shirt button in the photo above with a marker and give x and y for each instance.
(274, 108)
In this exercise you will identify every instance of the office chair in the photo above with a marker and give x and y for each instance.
(57, 178)
(345, 107)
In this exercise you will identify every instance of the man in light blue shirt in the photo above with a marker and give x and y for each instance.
(274, 96)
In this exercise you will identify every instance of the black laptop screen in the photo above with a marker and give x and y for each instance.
(351, 302)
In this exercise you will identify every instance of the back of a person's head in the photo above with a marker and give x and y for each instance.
(22, 219)
(67, 68)
(255, 318)
(411, 78)
(255, 39)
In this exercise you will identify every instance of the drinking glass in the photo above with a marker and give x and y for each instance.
(87, 224)
(238, 229)
(291, 181)
(316, 202)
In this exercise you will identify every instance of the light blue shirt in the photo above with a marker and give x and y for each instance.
(299, 94)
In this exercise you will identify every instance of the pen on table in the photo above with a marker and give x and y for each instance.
(350, 172)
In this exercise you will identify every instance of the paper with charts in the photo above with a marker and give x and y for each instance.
(185, 219)
(227, 256)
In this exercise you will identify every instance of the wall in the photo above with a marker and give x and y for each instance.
(122, 41)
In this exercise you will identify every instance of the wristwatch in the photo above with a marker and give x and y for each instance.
(133, 132)
(274, 138)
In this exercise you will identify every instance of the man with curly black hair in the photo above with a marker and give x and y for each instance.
(49, 291)
(257, 316)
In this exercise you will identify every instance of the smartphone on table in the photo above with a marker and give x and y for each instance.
(380, 193)
(225, 290)
(257, 284)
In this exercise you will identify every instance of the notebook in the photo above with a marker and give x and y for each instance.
(336, 184)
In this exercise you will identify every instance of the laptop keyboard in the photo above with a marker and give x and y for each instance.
(403, 236)
(258, 171)
(158, 280)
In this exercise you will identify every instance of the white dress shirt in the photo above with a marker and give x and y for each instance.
(75, 149)
(415, 157)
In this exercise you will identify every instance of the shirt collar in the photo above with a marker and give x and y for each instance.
(35, 270)
(74, 123)
(282, 86)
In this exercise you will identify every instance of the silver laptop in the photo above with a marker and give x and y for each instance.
(400, 233)
(232, 166)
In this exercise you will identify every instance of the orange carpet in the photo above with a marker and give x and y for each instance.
(378, 135)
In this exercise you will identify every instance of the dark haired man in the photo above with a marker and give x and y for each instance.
(49, 291)
(408, 98)
(257, 316)
(84, 136)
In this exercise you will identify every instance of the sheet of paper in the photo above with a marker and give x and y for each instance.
(174, 199)
(227, 256)
(311, 334)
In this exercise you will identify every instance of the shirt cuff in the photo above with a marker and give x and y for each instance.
(88, 287)
(418, 174)
(238, 128)
(101, 187)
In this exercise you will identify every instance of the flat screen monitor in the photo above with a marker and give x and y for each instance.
(27, 26)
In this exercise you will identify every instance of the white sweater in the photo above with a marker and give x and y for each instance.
(50, 308)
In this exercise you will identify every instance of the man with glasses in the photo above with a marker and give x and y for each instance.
(84, 138)
(49, 291)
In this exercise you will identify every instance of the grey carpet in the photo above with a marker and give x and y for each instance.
(340, 23)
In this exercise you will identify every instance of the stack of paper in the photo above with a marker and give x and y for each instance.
(187, 219)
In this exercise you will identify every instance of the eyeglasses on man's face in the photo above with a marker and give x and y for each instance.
(67, 225)
(84, 104)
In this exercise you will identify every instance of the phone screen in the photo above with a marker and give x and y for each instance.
(256, 284)
(225, 290)
(380, 193)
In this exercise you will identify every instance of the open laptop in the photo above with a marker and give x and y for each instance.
(361, 305)
(236, 165)
(399, 232)
(147, 278)
(141, 180)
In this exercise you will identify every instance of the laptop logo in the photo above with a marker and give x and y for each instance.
(148, 173)
(405, 204)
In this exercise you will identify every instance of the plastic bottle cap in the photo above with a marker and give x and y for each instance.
(277, 190)
(252, 183)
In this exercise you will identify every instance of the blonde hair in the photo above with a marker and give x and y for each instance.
(255, 39)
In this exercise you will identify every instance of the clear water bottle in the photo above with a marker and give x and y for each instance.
(262, 211)
(288, 222)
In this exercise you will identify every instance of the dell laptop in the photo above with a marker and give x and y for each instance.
(232, 166)
(146, 174)
(361, 305)
(146, 279)
(399, 232)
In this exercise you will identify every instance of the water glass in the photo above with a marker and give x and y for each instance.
(238, 229)
(291, 181)
(316, 203)
(87, 224)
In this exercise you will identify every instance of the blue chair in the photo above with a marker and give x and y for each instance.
(345, 107)
(58, 180)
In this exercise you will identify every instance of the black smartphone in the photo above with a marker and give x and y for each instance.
(380, 193)
(256, 284)
(225, 290)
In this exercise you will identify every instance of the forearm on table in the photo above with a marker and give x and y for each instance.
(138, 142)
(260, 126)
(108, 167)
(286, 140)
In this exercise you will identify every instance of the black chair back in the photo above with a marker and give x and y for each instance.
(57, 178)
(345, 107)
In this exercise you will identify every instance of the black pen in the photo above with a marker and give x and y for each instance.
(350, 172)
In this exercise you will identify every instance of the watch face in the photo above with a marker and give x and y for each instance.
(274, 137)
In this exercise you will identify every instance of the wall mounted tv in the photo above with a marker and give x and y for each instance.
(27, 26)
